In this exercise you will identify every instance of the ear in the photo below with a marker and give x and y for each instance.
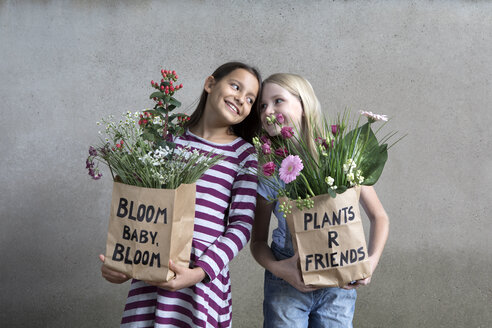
(209, 84)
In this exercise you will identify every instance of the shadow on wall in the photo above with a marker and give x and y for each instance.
(417, 289)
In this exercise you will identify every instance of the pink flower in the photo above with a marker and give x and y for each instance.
(266, 140)
(290, 168)
(280, 119)
(282, 152)
(334, 129)
(268, 169)
(287, 132)
(373, 117)
(266, 149)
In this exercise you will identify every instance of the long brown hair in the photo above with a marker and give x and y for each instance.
(251, 125)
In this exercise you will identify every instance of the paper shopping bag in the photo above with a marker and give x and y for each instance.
(330, 239)
(147, 227)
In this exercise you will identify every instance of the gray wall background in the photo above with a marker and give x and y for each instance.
(426, 64)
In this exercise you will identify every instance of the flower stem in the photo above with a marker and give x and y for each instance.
(307, 185)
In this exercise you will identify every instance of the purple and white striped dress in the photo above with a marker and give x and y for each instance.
(224, 211)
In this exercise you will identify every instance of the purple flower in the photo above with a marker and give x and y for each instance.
(265, 139)
(92, 151)
(266, 149)
(334, 129)
(88, 163)
(93, 171)
(287, 132)
(321, 142)
(282, 152)
(280, 118)
(268, 169)
(290, 168)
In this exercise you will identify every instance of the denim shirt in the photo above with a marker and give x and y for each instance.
(281, 235)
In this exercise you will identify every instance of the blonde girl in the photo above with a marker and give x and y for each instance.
(287, 301)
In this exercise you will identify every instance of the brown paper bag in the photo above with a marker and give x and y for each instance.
(330, 240)
(147, 227)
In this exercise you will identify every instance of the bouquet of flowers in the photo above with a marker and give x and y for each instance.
(317, 179)
(334, 158)
(153, 203)
(139, 150)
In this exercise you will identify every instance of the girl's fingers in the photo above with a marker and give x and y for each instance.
(102, 257)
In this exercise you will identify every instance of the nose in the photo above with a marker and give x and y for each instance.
(268, 110)
(240, 98)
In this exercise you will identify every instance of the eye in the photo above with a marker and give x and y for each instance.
(278, 101)
(263, 107)
(235, 86)
(250, 100)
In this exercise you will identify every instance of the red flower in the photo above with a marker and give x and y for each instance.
(268, 169)
(282, 152)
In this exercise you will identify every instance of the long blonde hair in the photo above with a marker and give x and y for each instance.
(312, 115)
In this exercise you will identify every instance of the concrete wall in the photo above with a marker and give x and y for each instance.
(427, 64)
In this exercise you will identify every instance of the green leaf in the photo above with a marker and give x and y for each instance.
(148, 136)
(332, 193)
(372, 166)
(157, 94)
(174, 102)
(341, 189)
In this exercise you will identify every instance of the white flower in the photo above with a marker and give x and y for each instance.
(349, 166)
(329, 180)
(372, 116)
(350, 177)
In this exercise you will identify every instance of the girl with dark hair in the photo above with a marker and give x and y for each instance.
(224, 122)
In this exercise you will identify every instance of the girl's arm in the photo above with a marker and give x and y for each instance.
(287, 269)
(378, 232)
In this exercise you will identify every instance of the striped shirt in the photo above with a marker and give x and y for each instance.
(224, 211)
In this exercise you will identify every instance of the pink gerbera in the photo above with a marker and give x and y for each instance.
(290, 168)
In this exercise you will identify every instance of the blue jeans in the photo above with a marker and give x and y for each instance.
(285, 307)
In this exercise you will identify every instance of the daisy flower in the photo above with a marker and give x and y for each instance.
(290, 168)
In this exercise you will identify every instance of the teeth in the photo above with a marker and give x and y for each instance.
(231, 106)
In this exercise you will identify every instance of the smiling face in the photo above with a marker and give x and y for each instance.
(230, 99)
(277, 100)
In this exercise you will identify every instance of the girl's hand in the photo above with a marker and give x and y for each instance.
(110, 275)
(289, 271)
(185, 277)
(363, 282)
